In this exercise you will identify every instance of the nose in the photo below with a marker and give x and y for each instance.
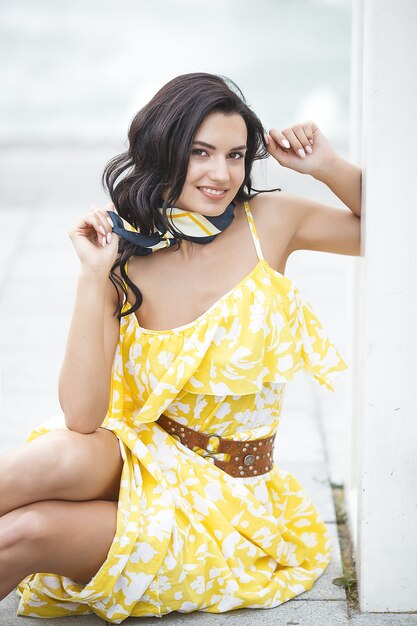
(219, 171)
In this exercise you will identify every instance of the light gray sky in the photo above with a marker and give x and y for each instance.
(77, 71)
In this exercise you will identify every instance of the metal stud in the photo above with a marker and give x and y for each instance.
(249, 459)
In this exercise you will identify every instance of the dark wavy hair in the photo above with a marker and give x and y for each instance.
(156, 161)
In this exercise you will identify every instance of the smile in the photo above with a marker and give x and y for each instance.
(213, 192)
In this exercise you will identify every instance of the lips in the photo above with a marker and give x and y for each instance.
(213, 192)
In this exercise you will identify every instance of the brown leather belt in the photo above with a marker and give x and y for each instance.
(246, 458)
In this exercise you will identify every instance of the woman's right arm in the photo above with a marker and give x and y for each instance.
(84, 383)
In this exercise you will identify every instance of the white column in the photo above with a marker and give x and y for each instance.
(352, 480)
(385, 406)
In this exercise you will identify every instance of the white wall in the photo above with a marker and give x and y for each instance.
(385, 405)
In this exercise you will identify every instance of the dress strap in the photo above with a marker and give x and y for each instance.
(253, 231)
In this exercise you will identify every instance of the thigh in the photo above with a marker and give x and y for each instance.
(67, 538)
(62, 464)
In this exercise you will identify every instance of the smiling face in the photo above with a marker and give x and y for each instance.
(216, 169)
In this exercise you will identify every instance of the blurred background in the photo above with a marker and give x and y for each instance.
(73, 74)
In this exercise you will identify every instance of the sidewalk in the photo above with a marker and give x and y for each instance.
(37, 280)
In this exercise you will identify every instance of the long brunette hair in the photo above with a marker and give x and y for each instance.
(160, 139)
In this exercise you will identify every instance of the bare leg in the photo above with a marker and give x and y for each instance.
(67, 538)
(61, 465)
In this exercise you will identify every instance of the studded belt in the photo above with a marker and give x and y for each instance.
(246, 458)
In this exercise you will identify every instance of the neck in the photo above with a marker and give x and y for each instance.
(187, 249)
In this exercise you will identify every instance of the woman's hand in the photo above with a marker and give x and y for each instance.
(93, 240)
(302, 148)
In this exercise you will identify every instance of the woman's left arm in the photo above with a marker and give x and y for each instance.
(304, 149)
(344, 179)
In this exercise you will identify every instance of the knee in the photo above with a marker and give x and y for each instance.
(25, 526)
(61, 452)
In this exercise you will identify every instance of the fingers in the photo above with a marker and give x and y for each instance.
(103, 224)
(95, 226)
(298, 138)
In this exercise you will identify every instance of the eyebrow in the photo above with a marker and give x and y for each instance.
(207, 145)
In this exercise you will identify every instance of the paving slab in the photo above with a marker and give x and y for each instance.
(291, 613)
(298, 437)
(383, 619)
(323, 588)
(315, 480)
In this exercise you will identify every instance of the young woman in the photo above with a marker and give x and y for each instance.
(156, 491)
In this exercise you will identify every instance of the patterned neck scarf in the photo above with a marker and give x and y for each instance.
(194, 227)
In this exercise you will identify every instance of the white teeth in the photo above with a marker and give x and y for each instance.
(214, 192)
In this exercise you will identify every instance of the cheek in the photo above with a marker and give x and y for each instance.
(238, 175)
(193, 172)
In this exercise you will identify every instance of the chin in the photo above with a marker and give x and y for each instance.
(212, 207)
(214, 210)
(196, 203)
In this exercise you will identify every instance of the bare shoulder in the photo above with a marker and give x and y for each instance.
(275, 218)
(307, 224)
(275, 225)
(277, 207)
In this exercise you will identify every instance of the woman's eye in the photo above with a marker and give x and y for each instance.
(198, 151)
(236, 155)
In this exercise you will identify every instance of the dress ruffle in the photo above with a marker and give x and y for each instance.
(230, 350)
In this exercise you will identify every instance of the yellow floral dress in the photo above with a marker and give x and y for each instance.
(189, 536)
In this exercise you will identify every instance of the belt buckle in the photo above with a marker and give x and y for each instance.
(210, 456)
(210, 452)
